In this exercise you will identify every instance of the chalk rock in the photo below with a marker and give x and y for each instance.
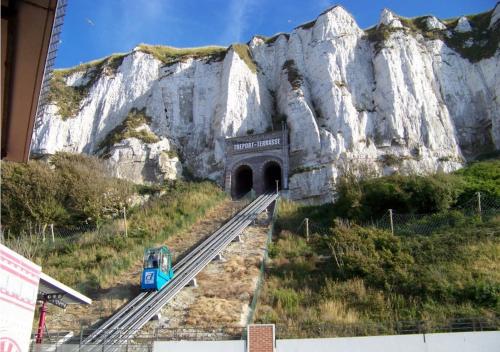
(463, 25)
(385, 100)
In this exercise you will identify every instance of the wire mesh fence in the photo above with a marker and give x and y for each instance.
(477, 209)
(402, 327)
(36, 239)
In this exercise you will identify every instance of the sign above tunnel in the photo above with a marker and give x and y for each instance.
(257, 144)
(245, 144)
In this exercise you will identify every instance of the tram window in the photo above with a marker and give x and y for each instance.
(152, 261)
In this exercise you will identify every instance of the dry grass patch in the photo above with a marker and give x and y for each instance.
(337, 312)
(220, 310)
(236, 281)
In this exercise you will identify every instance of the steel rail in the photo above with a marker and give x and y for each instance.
(149, 303)
(205, 257)
(135, 321)
(178, 268)
(197, 267)
(143, 295)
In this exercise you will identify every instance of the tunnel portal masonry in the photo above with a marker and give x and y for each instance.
(256, 162)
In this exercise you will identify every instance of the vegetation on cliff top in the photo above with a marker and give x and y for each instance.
(244, 53)
(480, 43)
(170, 55)
(69, 98)
(129, 128)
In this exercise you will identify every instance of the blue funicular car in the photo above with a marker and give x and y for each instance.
(157, 269)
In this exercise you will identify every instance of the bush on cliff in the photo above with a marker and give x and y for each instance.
(68, 190)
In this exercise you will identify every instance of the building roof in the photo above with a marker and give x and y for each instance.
(57, 291)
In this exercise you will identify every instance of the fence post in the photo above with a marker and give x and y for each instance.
(125, 221)
(44, 227)
(307, 229)
(392, 222)
(52, 232)
(479, 204)
(81, 337)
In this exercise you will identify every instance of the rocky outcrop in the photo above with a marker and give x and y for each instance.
(408, 95)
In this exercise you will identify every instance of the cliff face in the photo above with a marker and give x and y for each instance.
(414, 95)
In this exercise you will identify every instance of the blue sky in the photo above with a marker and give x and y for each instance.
(97, 28)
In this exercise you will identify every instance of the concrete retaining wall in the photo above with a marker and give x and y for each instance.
(488, 341)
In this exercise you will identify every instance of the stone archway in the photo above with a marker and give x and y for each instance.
(243, 181)
(271, 173)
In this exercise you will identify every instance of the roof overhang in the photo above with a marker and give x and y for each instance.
(56, 292)
(27, 27)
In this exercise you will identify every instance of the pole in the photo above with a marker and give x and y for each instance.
(52, 232)
(125, 221)
(392, 222)
(479, 204)
(307, 229)
(277, 186)
(41, 321)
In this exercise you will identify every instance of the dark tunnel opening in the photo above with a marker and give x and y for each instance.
(272, 172)
(243, 181)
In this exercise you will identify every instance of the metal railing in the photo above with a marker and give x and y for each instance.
(143, 340)
(402, 327)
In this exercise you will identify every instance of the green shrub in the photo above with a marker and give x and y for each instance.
(481, 177)
(129, 129)
(90, 193)
(371, 198)
(31, 193)
(286, 298)
(68, 190)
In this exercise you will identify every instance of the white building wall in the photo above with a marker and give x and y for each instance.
(488, 341)
(450, 342)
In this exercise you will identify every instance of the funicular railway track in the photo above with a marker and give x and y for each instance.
(133, 316)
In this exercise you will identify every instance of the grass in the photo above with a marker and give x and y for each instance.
(95, 260)
(244, 53)
(354, 276)
(170, 55)
(68, 98)
(353, 280)
(485, 41)
(129, 129)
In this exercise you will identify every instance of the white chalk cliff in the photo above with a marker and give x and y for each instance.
(408, 95)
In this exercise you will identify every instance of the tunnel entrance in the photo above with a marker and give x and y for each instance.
(255, 162)
(243, 178)
(272, 172)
